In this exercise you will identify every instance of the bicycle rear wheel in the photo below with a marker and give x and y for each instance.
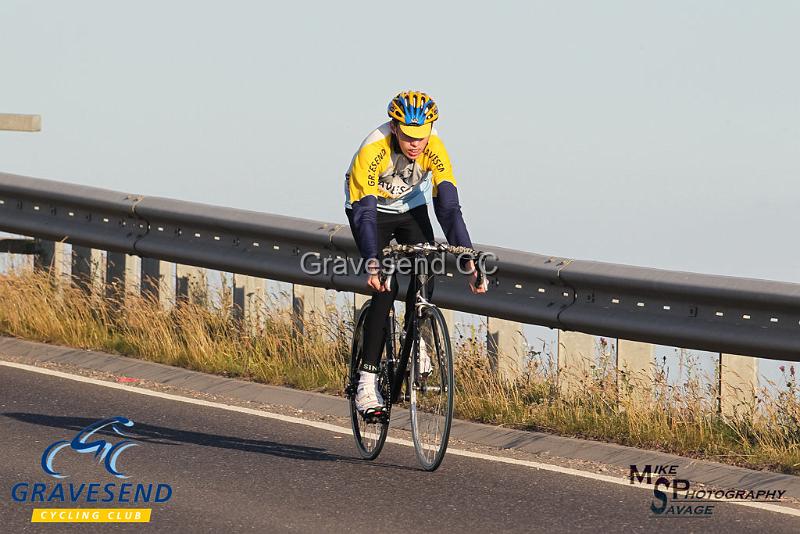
(369, 435)
(432, 389)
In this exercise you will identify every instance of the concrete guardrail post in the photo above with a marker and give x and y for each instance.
(19, 254)
(191, 284)
(123, 275)
(52, 257)
(308, 307)
(21, 263)
(738, 384)
(635, 365)
(449, 319)
(158, 281)
(88, 269)
(505, 345)
(249, 302)
(575, 358)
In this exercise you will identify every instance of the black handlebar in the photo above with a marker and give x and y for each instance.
(423, 249)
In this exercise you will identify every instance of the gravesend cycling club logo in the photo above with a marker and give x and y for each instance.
(104, 451)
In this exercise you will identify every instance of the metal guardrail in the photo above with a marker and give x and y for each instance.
(718, 313)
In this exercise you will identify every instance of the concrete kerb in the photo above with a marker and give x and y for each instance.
(710, 473)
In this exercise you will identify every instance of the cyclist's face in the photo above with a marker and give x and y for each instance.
(412, 147)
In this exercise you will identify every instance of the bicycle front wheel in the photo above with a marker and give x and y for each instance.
(369, 435)
(432, 388)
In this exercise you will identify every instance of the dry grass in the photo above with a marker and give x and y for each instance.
(680, 418)
(202, 338)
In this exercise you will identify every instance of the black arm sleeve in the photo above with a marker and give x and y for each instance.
(364, 225)
(448, 212)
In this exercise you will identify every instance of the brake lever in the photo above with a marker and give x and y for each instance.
(482, 281)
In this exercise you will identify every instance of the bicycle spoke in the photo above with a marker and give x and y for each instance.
(432, 398)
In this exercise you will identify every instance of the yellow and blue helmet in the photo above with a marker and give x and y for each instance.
(415, 112)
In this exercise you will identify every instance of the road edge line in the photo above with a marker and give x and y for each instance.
(344, 430)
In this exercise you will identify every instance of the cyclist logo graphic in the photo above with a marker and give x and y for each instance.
(103, 450)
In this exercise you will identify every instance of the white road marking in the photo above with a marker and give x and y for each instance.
(344, 430)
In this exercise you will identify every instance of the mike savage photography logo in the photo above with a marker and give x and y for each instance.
(87, 443)
(675, 497)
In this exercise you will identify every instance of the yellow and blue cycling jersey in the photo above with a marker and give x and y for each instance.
(382, 179)
(399, 184)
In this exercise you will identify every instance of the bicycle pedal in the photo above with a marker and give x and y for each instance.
(376, 417)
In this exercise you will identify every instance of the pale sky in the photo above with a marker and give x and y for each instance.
(661, 134)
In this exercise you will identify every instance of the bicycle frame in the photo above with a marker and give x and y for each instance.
(397, 374)
(430, 423)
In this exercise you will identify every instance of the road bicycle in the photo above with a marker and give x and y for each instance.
(416, 365)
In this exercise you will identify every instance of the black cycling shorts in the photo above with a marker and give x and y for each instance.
(409, 228)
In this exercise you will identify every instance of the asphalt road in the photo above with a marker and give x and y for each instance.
(233, 472)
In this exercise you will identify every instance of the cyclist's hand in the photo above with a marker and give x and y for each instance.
(374, 282)
(473, 279)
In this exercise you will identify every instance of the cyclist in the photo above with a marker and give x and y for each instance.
(396, 172)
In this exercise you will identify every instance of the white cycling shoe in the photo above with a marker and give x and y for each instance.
(368, 399)
(424, 358)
